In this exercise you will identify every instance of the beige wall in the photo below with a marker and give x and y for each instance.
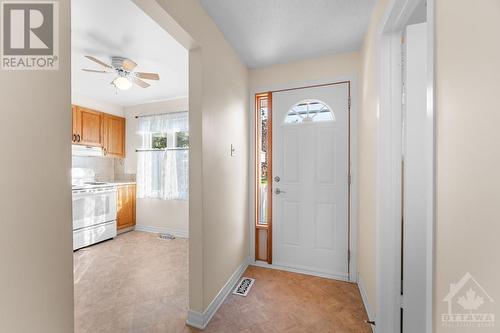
(170, 215)
(329, 68)
(323, 68)
(367, 159)
(36, 270)
(467, 67)
(468, 154)
(298, 73)
(218, 117)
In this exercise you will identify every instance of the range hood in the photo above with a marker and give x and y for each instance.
(77, 150)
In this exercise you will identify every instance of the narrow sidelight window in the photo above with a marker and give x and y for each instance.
(263, 179)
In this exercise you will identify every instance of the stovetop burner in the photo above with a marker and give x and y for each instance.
(90, 185)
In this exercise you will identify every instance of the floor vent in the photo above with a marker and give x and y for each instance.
(244, 286)
(167, 236)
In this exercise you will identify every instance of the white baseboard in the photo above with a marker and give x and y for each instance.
(364, 297)
(201, 320)
(180, 233)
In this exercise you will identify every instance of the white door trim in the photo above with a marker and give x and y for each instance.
(353, 149)
(389, 187)
(388, 165)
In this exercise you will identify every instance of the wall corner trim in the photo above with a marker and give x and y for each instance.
(364, 297)
(180, 233)
(201, 320)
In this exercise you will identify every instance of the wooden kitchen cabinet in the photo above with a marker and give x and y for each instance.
(99, 129)
(74, 132)
(125, 210)
(87, 127)
(114, 136)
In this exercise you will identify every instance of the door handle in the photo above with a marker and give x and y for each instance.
(278, 191)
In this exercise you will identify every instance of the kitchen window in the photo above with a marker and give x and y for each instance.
(163, 158)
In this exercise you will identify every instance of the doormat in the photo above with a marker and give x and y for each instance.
(244, 286)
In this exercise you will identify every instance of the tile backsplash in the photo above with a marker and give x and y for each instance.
(120, 171)
(102, 167)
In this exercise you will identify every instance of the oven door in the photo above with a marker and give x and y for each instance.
(93, 206)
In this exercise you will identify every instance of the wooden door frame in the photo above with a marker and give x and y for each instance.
(389, 177)
(352, 156)
(269, 226)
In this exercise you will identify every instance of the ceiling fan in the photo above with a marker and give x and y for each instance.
(123, 67)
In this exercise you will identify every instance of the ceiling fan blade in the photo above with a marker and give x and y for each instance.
(140, 83)
(98, 61)
(94, 71)
(147, 76)
(128, 64)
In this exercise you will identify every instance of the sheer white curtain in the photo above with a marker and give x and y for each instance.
(162, 174)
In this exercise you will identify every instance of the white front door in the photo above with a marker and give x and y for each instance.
(310, 179)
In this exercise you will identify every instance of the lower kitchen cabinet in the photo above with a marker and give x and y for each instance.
(125, 210)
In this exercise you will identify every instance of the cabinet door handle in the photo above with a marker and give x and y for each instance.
(78, 137)
(74, 137)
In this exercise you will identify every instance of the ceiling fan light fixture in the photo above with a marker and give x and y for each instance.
(122, 83)
(123, 68)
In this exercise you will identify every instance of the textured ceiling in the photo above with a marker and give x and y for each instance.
(267, 32)
(119, 28)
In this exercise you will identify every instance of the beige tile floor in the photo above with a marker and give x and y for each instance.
(134, 283)
(138, 283)
(288, 302)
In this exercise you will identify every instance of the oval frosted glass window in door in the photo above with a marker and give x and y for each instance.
(309, 111)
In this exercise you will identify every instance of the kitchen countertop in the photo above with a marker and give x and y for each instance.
(122, 182)
(79, 187)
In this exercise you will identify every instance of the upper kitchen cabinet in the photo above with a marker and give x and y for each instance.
(87, 127)
(99, 129)
(76, 125)
(114, 136)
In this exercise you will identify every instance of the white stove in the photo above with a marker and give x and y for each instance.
(94, 213)
(90, 185)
